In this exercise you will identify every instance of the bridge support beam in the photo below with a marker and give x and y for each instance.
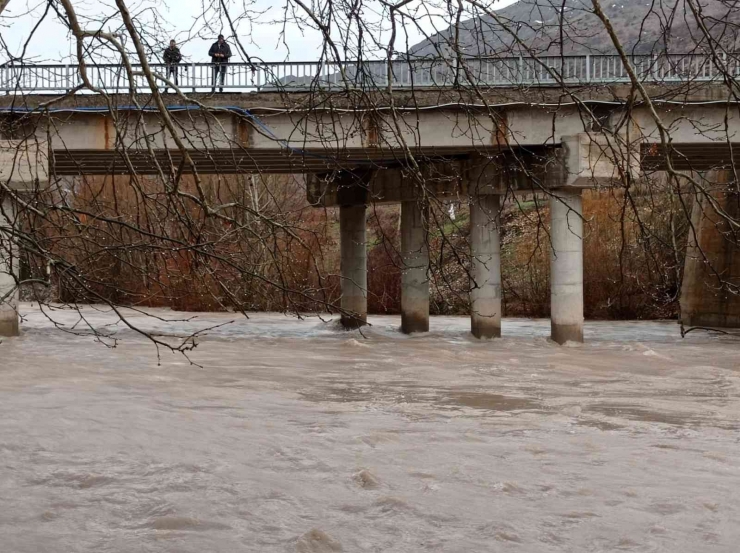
(8, 266)
(353, 239)
(414, 279)
(566, 266)
(485, 250)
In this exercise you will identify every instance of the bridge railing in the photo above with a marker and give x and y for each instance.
(399, 74)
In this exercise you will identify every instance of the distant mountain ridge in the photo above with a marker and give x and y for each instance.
(570, 26)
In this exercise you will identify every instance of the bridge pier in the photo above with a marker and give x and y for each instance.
(353, 240)
(485, 250)
(566, 266)
(414, 279)
(8, 290)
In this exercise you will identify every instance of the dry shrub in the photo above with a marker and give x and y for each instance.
(129, 244)
(449, 256)
(631, 267)
(384, 259)
(633, 253)
(525, 258)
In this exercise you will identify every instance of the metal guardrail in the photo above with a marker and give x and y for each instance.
(542, 71)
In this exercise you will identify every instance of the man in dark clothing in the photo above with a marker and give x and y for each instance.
(220, 54)
(172, 57)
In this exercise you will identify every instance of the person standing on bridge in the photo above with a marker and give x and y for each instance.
(220, 53)
(172, 58)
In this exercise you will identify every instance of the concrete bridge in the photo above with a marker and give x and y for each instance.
(399, 144)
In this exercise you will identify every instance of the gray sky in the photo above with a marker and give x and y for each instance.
(184, 21)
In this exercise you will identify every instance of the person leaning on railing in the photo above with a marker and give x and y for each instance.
(220, 53)
(172, 58)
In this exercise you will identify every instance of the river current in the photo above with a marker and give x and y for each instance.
(279, 434)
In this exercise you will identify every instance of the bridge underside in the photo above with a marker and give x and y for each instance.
(690, 156)
(74, 162)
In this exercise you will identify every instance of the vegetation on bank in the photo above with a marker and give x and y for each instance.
(633, 257)
(284, 255)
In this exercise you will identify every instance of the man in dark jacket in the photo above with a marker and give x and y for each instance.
(172, 57)
(220, 54)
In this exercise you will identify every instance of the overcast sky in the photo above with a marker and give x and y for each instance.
(184, 21)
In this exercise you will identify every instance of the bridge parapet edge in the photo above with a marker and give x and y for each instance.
(402, 99)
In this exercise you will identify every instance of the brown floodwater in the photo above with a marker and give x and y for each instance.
(279, 434)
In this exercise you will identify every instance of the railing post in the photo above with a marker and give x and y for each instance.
(654, 69)
(521, 70)
(588, 68)
(192, 76)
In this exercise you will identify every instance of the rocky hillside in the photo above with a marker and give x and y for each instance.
(547, 26)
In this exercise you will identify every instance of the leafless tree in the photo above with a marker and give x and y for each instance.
(177, 236)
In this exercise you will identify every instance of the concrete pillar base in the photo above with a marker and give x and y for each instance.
(485, 249)
(8, 268)
(415, 321)
(353, 239)
(566, 266)
(414, 279)
(350, 322)
(561, 333)
(9, 326)
(481, 327)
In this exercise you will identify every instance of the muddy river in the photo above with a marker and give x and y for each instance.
(279, 434)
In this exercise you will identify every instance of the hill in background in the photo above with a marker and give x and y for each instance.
(570, 26)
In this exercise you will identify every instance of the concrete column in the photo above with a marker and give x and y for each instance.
(9, 304)
(414, 279)
(353, 238)
(566, 266)
(485, 249)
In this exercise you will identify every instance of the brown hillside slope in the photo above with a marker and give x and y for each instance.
(571, 27)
